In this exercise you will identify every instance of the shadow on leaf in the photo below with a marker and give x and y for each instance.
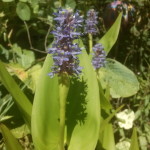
(76, 105)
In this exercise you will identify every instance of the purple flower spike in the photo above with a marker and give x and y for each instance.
(91, 22)
(64, 51)
(99, 56)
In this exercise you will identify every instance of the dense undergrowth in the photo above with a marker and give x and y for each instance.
(25, 27)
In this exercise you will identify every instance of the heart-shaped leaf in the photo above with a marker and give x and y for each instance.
(121, 81)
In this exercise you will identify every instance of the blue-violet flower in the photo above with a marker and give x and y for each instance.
(91, 22)
(99, 56)
(64, 50)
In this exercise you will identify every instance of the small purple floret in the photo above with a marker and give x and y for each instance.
(63, 50)
(91, 22)
(99, 56)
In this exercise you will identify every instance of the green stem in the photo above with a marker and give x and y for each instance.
(60, 1)
(63, 92)
(90, 42)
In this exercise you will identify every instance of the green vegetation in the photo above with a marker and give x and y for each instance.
(29, 98)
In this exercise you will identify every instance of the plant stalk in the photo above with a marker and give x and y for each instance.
(90, 42)
(60, 1)
(64, 84)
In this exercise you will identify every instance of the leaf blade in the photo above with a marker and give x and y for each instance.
(109, 39)
(134, 140)
(45, 130)
(107, 138)
(21, 100)
(116, 75)
(92, 119)
(23, 11)
(10, 141)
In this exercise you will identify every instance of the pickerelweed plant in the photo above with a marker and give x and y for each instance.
(64, 52)
(70, 97)
(67, 102)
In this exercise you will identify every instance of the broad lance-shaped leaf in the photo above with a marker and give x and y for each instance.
(109, 39)
(83, 112)
(134, 140)
(106, 139)
(10, 141)
(45, 114)
(121, 81)
(20, 98)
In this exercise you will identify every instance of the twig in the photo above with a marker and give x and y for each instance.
(46, 37)
(127, 57)
(29, 39)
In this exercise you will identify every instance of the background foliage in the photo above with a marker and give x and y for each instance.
(25, 27)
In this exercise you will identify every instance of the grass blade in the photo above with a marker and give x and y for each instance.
(10, 141)
(21, 100)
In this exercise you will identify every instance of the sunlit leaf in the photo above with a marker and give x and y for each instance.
(134, 140)
(108, 119)
(105, 104)
(24, 57)
(20, 98)
(84, 109)
(109, 39)
(71, 3)
(34, 73)
(106, 140)
(7, 0)
(45, 116)
(19, 71)
(20, 131)
(10, 141)
(121, 81)
(23, 0)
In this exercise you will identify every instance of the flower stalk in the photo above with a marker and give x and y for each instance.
(90, 42)
(91, 26)
(64, 84)
(99, 56)
(64, 52)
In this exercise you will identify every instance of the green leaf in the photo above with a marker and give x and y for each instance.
(34, 73)
(108, 119)
(121, 81)
(104, 101)
(134, 140)
(106, 140)
(71, 4)
(21, 100)
(24, 57)
(23, 11)
(83, 114)
(23, 0)
(45, 130)
(7, 0)
(109, 39)
(35, 5)
(45, 114)
(10, 141)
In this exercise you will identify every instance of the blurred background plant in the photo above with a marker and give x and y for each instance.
(25, 27)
